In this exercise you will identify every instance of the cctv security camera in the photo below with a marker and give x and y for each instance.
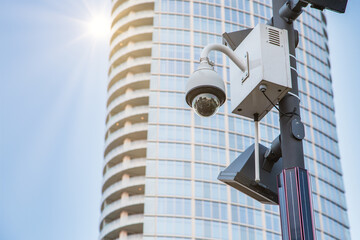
(205, 90)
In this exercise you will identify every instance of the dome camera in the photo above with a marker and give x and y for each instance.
(205, 104)
(205, 90)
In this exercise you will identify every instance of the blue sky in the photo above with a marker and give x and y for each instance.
(344, 39)
(52, 101)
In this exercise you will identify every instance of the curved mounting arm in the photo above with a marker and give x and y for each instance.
(219, 47)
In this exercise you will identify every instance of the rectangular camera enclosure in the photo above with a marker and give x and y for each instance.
(266, 52)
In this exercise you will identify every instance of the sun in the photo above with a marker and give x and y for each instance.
(98, 26)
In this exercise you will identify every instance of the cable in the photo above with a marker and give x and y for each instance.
(263, 88)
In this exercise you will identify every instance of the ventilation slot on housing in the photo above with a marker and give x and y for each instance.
(274, 37)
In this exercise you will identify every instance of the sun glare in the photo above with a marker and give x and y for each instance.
(99, 26)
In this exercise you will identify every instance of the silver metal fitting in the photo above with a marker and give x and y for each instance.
(263, 88)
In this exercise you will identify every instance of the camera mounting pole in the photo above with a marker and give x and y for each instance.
(294, 191)
(291, 146)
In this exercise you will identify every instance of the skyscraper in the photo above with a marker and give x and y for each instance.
(161, 161)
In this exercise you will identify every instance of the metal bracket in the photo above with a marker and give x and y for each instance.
(291, 10)
(245, 75)
(234, 39)
(297, 129)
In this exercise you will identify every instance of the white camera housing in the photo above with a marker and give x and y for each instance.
(205, 90)
(267, 51)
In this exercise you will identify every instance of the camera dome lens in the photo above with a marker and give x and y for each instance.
(206, 104)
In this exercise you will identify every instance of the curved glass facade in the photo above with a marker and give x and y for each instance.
(185, 153)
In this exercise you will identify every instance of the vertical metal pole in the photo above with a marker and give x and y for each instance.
(297, 221)
(291, 147)
(294, 189)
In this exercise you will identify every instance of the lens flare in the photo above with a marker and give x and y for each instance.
(99, 26)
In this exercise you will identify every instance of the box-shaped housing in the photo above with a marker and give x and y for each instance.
(266, 50)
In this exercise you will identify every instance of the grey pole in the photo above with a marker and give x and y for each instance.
(291, 143)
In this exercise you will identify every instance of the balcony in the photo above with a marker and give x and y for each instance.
(120, 168)
(133, 237)
(135, 132)
(135, 50)
(137, 65)
(114, 208)
(124, 115)
(132, 223)
(130, 185)
(130, 96)
(135, 34)
(121, 9)
(137, 81)
(133, 19)
(136, 149)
